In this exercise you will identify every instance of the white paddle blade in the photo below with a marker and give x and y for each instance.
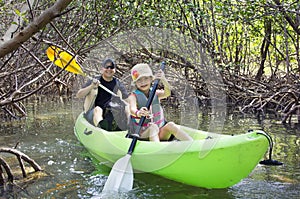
(120, 177)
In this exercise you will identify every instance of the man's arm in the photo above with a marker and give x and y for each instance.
(86, 90)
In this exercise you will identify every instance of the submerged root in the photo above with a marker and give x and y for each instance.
(9, 176)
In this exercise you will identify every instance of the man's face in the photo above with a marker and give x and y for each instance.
(108, 70)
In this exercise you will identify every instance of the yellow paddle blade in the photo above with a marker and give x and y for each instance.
(62, 58)
(51, 53)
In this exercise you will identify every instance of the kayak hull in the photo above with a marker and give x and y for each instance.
(210, 161)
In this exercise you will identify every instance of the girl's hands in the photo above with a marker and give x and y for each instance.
(160, 75)
(143, 112)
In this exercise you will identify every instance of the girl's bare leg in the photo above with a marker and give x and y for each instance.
(171, 128)
(151, 132)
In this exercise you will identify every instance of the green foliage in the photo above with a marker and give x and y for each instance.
(22, 15)
(232, 31)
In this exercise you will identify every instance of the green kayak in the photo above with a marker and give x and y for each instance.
(210, 161)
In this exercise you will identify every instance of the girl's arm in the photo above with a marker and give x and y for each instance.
(132, 104)
(166, 92)
(133, 107)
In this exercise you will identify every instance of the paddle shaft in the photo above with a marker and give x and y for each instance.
(103, 87)
(143, 118)
(106, 89)
(75, 69)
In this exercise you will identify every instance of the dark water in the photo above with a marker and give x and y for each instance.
(69, 172)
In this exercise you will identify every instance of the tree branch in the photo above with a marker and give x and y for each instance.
(294, 25)
(38, 23)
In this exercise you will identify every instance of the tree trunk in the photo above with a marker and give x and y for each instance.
(264, 49)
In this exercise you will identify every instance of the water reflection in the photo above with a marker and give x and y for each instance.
(46, 136)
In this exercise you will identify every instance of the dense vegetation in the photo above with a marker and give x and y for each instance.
(253, 44)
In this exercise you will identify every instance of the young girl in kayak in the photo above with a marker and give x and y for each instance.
(154, 128)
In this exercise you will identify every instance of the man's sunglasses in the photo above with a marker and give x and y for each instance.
(109, 66)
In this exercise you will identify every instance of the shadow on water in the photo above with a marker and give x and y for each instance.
(46, 136)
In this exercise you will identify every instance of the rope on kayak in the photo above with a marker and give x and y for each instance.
(269, 161)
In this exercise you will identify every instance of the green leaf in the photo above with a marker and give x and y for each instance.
(17, 12)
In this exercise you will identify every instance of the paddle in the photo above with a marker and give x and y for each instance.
(121, 174)
(68, 62)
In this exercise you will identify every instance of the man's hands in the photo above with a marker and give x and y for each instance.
(95, 83)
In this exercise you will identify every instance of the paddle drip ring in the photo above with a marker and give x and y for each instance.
(269, 161)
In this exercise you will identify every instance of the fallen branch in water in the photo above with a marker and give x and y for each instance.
(21, 157)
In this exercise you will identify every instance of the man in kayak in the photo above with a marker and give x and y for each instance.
(101, 108)
(155, 127)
